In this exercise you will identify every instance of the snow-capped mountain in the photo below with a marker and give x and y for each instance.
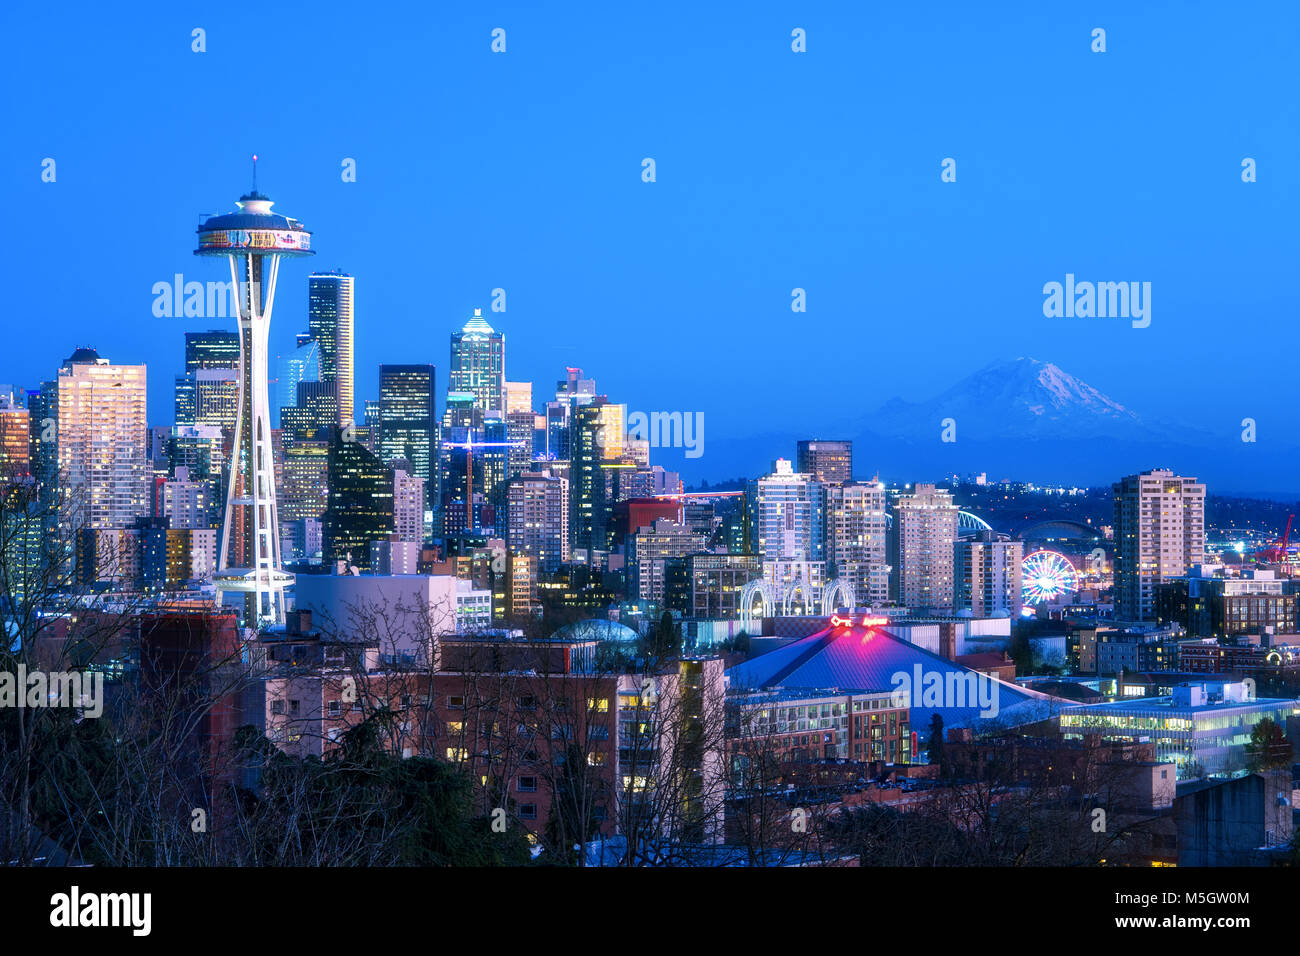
(1018, 399)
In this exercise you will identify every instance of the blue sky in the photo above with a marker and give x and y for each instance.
(775, 170)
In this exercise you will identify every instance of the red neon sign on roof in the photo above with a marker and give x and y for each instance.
(869, 621)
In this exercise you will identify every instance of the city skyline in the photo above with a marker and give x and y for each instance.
(730, 436)
(598, 265)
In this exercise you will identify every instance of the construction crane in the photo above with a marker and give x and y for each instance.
(469, 447)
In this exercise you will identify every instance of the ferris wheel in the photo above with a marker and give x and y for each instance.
(1046, 575)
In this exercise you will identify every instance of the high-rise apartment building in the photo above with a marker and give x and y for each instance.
(923, 542)
(1159, 536)
(330, 321)
(786, 511)
(103, 443)
(537, 519)
(650, 548)
(856, 533)
(830, 462)
(188, 503)
(986, 570)
(520, 428)
(709, 585)
(408, 503)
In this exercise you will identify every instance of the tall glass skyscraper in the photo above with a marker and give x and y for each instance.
(478, 367)
(329, 319)
(408, 420)
(360, 502)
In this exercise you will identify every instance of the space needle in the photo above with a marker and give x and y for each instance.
(253, 239)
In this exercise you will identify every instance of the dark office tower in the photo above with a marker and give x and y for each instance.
(360, 502)
(329, 318)
(215, 349)
(408, 419)
(42, 418)
(370, 415)
(478, 366)
(588, 508)
(830, 462)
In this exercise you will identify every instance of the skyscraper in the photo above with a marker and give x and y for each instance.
(408, 503)
(787, 515)
(103, 444)
(211, 359)
(360, 502)
(316, 411)
(518, 397)
(408, 420)
(300, 365)
(923, 541)
(537, 519)
(830, 462)
(1159, 535)
(987, 574)
(330, 321)
(15, 441)
(649, 548)
(216, 398)
(213, 349)
(856, 527)
(478, 366)
(589, 507)
(43, 417)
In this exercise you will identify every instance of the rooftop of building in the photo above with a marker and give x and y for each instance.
(867, 659)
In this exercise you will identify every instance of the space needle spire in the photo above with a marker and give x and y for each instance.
(254, 239)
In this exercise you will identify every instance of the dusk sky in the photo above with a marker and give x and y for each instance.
(775, 170)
